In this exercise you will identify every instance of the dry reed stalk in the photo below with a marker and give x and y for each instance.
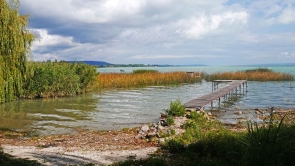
(128, 80)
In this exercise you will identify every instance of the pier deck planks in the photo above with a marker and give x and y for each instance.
(200, 102)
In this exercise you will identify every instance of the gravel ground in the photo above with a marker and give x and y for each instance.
(99, 148)
(63, 156)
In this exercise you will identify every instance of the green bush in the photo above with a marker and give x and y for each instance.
(176, 109)
(259, 70)
(55, 79)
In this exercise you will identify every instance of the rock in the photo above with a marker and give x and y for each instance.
(238, 112)
(165, 131)
(145, 128)
(140, 132)
(152, 134)
(161, 140)
(153, 139)
(163, 122)
(138, 136)
(153, 130)
(161, 128)
(163, 115)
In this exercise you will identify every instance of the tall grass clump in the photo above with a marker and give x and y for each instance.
(260, 74)
(57, 79)
(130, 80)
(271, 144)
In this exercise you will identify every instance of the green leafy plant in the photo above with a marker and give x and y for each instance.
(170, 120)
(176, 109)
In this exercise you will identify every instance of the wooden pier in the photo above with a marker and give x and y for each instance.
(232, 88)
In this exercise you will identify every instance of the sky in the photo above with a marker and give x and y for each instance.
(186, 32)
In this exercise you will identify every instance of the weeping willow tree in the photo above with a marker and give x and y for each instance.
(15, 42)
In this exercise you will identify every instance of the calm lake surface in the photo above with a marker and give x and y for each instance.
(117, 109)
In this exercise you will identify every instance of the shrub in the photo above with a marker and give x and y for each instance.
(176, 109)
(259, 70)
(55, 79)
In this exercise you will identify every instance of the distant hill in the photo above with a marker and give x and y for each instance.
(94, 63)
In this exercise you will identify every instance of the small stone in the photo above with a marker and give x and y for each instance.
(145, 128)
(161, 127)
(165, 131)
(138, 136)
(163, 115)
(163, 122)
(238, 112)
(152, 134)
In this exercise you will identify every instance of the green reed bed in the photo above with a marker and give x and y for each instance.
(57, 79)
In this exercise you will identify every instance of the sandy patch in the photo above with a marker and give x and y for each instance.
(67, 156)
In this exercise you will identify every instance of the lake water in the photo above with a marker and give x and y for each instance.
(117, 109)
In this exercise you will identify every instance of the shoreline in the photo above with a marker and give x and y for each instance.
(95, 147)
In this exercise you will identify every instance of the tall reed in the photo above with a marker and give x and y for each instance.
(251, 75)
(130, 80)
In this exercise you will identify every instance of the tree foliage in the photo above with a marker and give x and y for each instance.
(15, 42)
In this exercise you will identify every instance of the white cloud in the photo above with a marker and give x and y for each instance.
(170, 56)
(153, 31)
(281, 15)
(287, 55)
(44, 39)
(287, 16)
(273, 10)
(202, 25)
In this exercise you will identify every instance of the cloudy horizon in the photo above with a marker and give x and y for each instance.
(219, 32)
